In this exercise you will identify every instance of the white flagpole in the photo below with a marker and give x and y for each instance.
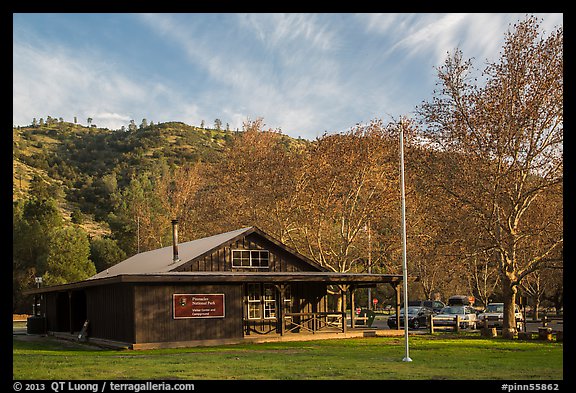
(404, 267)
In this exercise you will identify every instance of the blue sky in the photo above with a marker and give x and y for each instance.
(304, 74)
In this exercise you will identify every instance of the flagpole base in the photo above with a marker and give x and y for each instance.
(406, 359)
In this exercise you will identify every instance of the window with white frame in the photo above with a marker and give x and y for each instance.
(269, 301)
(261, 301)
(250, 258)
(254, 300)
(287, 301)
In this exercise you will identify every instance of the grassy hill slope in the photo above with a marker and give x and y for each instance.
(74, 160)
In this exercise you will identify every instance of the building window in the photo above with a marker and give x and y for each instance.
(288, 302)
(269, 301)
(254, 299)
(288, 299)
(261, 301)
(250, 258)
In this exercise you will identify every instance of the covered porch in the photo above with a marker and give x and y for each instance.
(285, 304)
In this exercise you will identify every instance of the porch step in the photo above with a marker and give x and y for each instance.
(369, 333)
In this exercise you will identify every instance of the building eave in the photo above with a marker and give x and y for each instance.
(228, 277)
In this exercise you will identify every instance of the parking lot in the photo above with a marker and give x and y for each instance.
(380, 322)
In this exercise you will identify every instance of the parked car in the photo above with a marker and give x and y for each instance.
(493, 316)
(417, 317)
(461, 300)
(447, 316)
(435, 305)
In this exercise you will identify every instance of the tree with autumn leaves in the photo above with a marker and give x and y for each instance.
(502, 147)
(348, 181)
(317, 197)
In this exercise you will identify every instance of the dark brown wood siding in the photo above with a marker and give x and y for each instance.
(308, 297)
(154, 320)
(221, 259)
(57, 317)
(110, 310)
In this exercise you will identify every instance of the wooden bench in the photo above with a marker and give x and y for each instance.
(453, 324)
(331, 320)
(361, 320)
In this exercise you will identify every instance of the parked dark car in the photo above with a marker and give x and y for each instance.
(435, 305)
(417, 317)
(461, 300)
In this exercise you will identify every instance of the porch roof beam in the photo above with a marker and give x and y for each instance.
(231, 277)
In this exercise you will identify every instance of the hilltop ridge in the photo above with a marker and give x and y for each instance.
(84, 164)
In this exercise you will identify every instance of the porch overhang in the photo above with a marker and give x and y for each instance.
(356, 279)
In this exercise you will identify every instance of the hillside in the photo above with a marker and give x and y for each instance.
(85, 165)
(80, 163)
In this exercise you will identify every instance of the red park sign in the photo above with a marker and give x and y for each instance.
(198, 305)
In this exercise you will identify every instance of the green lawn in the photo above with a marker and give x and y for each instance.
(440, 356)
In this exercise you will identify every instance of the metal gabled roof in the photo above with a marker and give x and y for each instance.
(161, 260)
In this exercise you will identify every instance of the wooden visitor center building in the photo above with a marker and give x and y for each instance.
(219, 289)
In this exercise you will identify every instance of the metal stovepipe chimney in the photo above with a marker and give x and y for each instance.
(175, 241)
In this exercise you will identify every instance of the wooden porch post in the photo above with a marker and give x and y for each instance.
(34, 310)
(282, 311)
(352, 307)
(70, 312)
(343, 289)
(245, 311)
(397, 291)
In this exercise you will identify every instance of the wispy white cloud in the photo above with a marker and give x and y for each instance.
(51, 80)
(435, 35)
(414, 45)
(278, 30)
(422, 35)
(284, 91)
(478, 35)
(112, 118)
(303, 73)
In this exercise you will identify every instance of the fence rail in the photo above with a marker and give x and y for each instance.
(316, 321)
(436, 323)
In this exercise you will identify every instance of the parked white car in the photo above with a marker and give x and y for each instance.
(447, 316)
(493, 316)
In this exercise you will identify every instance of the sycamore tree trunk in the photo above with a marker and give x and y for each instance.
(509, 289)
(535, 307)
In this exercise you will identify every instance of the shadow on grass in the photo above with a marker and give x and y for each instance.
(25, 342)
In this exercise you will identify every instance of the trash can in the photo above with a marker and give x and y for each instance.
(36, 325)
(545, 333)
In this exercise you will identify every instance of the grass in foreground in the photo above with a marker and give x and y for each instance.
(434, 357)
